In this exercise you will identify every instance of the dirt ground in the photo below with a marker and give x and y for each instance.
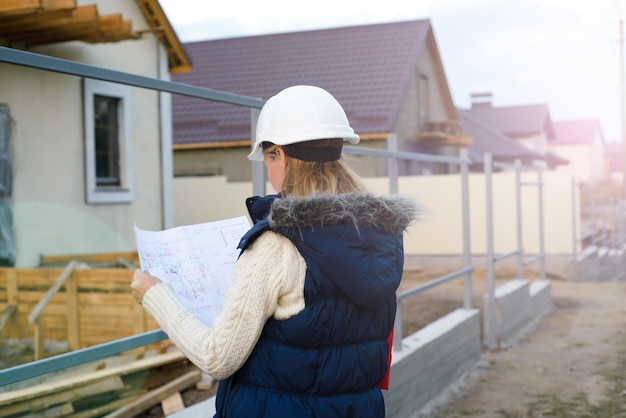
(572, 363)
(563, 366)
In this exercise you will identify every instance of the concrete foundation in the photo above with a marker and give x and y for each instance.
(432, 359)
(516, 305)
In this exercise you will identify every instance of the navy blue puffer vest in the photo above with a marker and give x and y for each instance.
(327, 360)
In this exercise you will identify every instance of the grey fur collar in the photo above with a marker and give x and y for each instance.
(393, 213)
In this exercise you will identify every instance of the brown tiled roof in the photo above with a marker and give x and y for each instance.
(580, 131)
(516, 121)
(367, 68)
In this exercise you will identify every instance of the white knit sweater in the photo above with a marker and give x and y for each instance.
(268, 280)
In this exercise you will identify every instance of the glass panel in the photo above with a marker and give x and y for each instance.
(107, 147)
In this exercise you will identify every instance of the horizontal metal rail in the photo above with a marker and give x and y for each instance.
(434, 283)
(507, 255)
(533, 259)
(42, 62)
(405, 155)
(77, 357)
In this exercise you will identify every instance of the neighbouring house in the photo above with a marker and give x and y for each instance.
(582, 143)
(82, 159)
(389, 77)
(529, 125)
(486, 139)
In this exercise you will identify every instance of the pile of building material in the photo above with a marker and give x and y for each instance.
(119, 386)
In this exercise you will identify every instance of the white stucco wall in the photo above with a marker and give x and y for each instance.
(586, 160)
(50, 210)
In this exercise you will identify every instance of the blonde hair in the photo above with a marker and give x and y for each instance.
(303, 178)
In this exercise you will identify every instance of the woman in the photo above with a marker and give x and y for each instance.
(305, 324)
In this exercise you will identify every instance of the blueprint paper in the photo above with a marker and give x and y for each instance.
(197, 261)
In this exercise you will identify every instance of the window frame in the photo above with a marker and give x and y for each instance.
(124, 193)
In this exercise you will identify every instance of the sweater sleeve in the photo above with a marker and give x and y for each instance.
(268, 279)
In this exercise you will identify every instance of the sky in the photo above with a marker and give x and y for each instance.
(563, 53)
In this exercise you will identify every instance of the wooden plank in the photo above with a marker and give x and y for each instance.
(172, 403)
(99, 410)
(19, 6)
(39, 403)
(52, 291)
(154, 397)
(58, 411)
(112, 280)
(79, 17)
(58, 4)
(97, 303)
(7, 315)
(73, 314)
(39, 341)
(139, 315)
(90, 258)
(12, 299)
(75, 381)
(37, 278)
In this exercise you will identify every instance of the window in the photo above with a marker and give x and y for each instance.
(108, 141)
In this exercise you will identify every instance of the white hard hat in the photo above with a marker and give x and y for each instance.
(300, 114)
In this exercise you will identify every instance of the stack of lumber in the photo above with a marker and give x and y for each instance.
(123, 386)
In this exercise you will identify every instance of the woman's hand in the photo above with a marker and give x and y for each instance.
(142, 281)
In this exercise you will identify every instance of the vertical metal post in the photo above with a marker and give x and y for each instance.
(166, 139)
(623, 217)
(542, 252)
(491, 288)
(603, 223)
(397, 329)
(592, 216)
(622, 90)
(467, 251)
(392, 164)
(574, 229)
(518, 202)
(392, 171)
(622, 224)
(610, 230)
(258, 170)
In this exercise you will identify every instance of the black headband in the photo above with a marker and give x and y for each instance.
(319, 150)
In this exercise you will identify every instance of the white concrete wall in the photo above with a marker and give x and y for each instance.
(204, 199)
(579, 157)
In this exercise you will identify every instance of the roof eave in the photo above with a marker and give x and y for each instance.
(179, 61)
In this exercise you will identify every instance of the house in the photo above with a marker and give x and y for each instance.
(389, 77)
(582, 143)
(82, 159)
(486, 139)
(529, 125)
(614, 162)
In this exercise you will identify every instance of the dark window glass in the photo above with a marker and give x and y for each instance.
(106, 111)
